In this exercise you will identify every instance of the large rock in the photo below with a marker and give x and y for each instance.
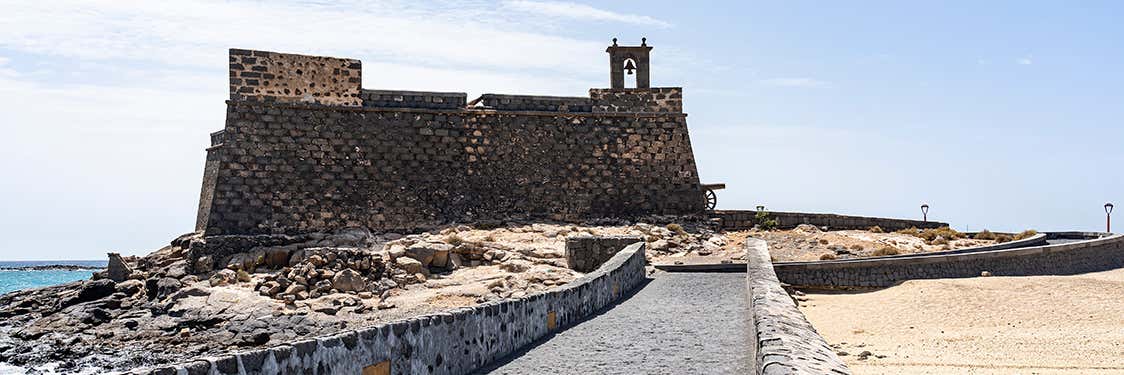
(224, 277)
(410, 265)
(117, 270)
(424, 251)
(160, 288)
(97, 289)
(348, 281)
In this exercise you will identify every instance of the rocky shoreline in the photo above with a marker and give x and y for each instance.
(204, 296)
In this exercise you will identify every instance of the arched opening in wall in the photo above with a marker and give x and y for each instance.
(629, 73)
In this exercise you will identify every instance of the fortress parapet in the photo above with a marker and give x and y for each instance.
(307, 148)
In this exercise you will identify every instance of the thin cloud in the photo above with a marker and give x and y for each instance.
(796, 82)
(1024, 61)
(582, 11)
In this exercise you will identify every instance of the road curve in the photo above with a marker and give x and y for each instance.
(679, 323)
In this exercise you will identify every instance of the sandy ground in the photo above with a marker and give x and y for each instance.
(987, 325)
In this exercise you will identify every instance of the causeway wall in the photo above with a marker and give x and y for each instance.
(306, 149)
(454, 342)
(783, 341)
(746, 219)
(1070, 258)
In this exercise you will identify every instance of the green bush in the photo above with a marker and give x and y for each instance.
(764, 222)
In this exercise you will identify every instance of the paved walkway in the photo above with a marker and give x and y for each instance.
(679, 323)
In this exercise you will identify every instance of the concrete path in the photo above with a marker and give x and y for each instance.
(679, 323)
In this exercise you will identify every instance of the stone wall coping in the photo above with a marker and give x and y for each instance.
(543, 97)
(1038, 239)
(920, 259)
(417, 93)
(783, 341)
(456, 110)
(629, 260)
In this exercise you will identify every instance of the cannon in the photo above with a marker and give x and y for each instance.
(709, 196)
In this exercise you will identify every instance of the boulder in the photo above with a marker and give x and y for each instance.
(224, 277)
(204, 264)
(96, 289)
(348, 281)
(160, 288)
(130, 287)
(440, 259)
(117, 270)
(410, 265)
(425, 251)
(277, 257)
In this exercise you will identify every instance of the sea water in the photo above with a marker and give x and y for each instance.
(12, 280)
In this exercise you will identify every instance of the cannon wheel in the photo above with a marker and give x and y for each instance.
(711, 199)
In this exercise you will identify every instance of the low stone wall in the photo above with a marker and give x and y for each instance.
(413, 99)
(654, 99)
(783, 340)
(1060, 259)
(746, 219)
(453, 342)
(536, 103)
(586, 253)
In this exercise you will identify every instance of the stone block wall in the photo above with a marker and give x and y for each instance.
(655, 99)
(746, 219)
(289, 78)
(333, 155)
(291, 169)
(413, 99)
(1061, 259)
(783, 341)
(586, 253)
(454, 342)
(536, 103)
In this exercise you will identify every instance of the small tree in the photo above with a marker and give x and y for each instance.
(764, 222)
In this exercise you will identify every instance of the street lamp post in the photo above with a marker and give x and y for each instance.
(1108, 217)
(924, 212)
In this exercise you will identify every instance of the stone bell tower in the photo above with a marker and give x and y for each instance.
(629, 60)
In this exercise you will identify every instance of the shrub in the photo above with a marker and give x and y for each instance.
(490, 238)
(678, 229)
(942, 232)
(912, 231)
(1001, 238)
(454, 240)
(886, 250)
(939, 241)
(985, 235)
(856, 247)
(827, 256)
(823, 241)
(1025, 234)
(764, 222)
(875, 229)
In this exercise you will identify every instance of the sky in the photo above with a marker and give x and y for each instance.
(1003, 115)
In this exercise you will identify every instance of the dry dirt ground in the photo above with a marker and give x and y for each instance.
(986, 325)
(806, 243)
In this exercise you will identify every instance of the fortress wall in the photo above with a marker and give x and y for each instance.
(290, 78)
(454, 342)
(655, 99)
(292, 168)
(746, 219)
(783, 341)
(537, 103)
(1060, 259)
(413, 99)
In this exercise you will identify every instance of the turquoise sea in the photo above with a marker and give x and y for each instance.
(12, 280)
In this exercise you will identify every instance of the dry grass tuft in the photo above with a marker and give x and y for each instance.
(886, 250)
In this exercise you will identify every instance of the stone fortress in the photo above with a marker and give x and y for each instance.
(307, 148)
(311, 167)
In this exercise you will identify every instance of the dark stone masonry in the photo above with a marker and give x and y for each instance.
(586, 253)
(305, 148)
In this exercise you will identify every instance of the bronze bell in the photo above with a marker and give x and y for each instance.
(629, 66)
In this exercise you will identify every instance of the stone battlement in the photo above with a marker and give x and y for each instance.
(306, 148)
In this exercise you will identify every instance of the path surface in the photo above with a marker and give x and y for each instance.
(679, 323)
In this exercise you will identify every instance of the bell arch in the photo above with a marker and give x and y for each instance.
(629, 60)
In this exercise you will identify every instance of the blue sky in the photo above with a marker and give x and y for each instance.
(1003, 115)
